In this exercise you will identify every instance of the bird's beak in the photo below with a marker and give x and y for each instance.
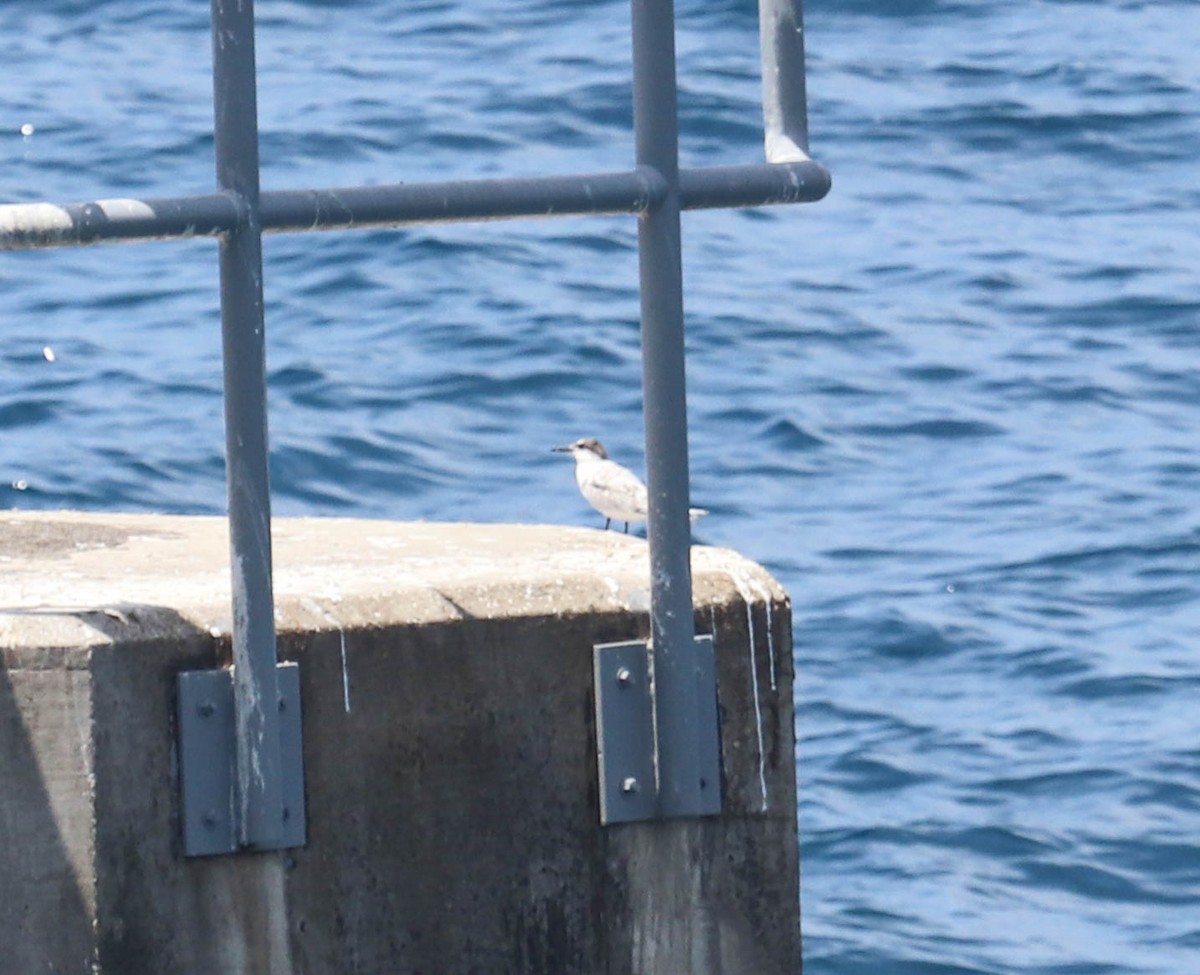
(560, 450)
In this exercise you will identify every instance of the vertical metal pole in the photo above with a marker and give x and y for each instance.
(255, 683)
(656, 129)
(785, 106)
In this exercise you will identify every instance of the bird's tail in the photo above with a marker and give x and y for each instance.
(695, 514)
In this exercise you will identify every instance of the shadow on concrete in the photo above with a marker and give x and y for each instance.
(88, 790)
(45, 821)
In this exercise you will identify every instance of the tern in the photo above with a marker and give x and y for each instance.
(615, 491)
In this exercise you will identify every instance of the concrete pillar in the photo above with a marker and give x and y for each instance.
(449, 752)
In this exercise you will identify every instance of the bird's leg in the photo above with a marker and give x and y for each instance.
(607, 522)
(626, 528)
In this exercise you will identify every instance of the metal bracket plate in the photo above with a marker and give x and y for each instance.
(207, 761)
(708, 731)
(625, 740)
(624, 733)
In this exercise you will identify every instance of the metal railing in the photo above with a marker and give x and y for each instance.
(238, 214)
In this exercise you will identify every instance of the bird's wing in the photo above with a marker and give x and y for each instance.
(618, 489)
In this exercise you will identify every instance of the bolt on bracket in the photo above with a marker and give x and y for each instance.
(208, 762)
(626, 746)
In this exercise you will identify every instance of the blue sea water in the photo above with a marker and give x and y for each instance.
(953, 407)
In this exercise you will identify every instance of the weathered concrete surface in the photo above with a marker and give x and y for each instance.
(449, 752)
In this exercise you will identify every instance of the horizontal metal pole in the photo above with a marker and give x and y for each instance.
(25, 226)
(463, 200)
(763, 184)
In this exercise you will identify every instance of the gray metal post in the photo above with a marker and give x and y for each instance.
(259, 787)
(656, 129)
(785, 105)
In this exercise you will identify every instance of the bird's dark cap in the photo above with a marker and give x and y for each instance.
(590, 444)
